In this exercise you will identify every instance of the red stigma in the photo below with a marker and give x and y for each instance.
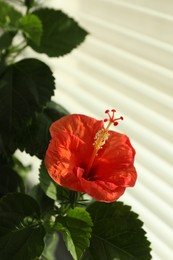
(107, 111)
(111, 117)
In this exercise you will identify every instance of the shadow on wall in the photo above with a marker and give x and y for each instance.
(62, 252)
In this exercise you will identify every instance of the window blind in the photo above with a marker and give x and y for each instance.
(126, 63)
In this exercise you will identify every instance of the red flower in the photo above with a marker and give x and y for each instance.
(86, 157)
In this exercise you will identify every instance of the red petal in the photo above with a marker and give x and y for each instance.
(102, 191)
(118, 150)
(124, 177)
(82, 126)
(65, 153)
(115, 160)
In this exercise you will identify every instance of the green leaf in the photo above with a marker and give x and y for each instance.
(76, 228)
(35, 138)
(8, 16)
(46, 204)
(117, 233)
(25, 87)
(31, 26)
(61, 34)
(6, 39)
(10, 181)
(21, 231)
(52, 189)
(55, 111)
(47, 184)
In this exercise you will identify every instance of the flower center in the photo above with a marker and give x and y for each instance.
(101, 136)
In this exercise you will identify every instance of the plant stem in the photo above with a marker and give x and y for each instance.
(13, 51)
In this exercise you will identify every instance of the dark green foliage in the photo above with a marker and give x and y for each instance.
(61, 34)
(25, 87)
(21, 231)
(29, 3)
(46, 204)
(10, 181)
(117, 232)
(34, 139)
(6, 39)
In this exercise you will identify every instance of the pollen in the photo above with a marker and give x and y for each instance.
(100, 139)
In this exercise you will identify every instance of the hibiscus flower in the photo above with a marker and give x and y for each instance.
(85, 156)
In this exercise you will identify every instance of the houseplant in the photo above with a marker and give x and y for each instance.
(75, 196)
